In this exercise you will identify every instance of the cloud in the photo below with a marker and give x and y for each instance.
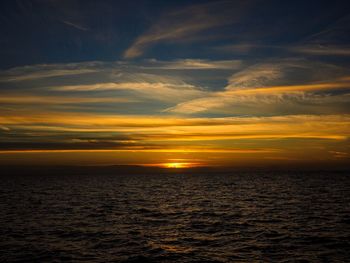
(256, 76)
(75, 25)
(200, 64)
(55, 100)
(155, 91)
(140, 149)
(150, 86)
(34, 72)
(247, 48)
(307, 48)
(322, 50)
(4, 128)
(140, 86)
(271, 100)
(35, 131)
(288, 86)
(333, 34)
(291, 86)
(90, 131)
(185, 24)
(332, 40)
(151, 70)
(284, 72)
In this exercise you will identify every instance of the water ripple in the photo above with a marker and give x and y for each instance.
(227, 217)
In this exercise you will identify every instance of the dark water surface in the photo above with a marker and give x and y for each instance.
(198, 217)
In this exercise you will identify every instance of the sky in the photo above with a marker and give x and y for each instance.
(175, 83)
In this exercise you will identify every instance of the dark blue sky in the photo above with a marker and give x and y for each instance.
(52, 31)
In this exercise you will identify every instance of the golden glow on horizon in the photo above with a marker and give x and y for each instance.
(175, 142)
(174, 165)
(178, 165)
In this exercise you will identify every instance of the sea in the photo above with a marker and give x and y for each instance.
(177, 216)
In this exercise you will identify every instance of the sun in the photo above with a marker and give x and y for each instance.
(176, 165)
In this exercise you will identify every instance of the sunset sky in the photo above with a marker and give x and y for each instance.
(175, 83)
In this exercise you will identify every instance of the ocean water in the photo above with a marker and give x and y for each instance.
(175, 217)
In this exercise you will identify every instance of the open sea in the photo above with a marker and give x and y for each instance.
(180, 216)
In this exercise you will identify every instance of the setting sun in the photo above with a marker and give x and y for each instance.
(177, 165)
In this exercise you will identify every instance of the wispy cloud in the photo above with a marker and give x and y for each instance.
(329, 41)
(187, 23)
(333, 33)
(322, 50)
(271, 100)
(55, 100)
(265, 102)
(255, 76)
(199, 64)
(75, 25)
(155, 91)
(284, 72)
(290, 86)
(34, 72)
(286, 85)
